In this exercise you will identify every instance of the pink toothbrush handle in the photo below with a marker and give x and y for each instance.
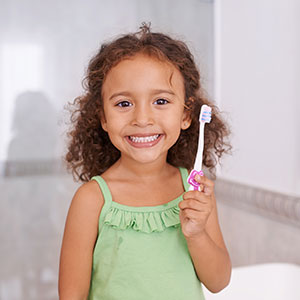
(191, 179)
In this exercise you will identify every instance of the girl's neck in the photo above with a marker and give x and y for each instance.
(143, 172)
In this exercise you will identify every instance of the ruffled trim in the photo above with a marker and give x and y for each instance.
(153, 221)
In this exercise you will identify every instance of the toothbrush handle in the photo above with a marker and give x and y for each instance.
(194, 185)
(198, 161)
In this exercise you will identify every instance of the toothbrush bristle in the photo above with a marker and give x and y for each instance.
(205, 114)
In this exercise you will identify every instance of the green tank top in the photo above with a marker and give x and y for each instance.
(141, 253)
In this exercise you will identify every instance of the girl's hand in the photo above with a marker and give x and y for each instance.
(196, 207)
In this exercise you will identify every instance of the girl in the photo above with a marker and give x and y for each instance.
(136, 232)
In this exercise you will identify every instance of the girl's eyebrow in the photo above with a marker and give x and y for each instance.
(119, 94)
(153, 92)
(160, 91)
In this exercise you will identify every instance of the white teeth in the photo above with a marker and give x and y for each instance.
(144, 139)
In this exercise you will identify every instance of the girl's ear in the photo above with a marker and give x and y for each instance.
(186, 120)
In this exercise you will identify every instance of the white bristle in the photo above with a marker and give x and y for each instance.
(205, 114)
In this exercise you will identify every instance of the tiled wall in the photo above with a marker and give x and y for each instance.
(259, 226)
(33, 211)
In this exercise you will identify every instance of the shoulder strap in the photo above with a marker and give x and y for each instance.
(103, 187)
(107, 199)
(184, 176)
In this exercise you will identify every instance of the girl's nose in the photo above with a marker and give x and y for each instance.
(143, 116)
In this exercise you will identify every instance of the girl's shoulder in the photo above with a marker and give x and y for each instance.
(87, 201)
(89, 191)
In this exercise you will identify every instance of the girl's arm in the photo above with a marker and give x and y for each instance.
(200, 225)
(80, 235)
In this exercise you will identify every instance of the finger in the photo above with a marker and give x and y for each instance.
(192, 214)
(204, 180)
(196, 195)
(208, 191)
(196, 205)
(201, 187)
(192, 204)
(206, 185)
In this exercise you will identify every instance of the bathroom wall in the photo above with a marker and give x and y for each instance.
(257, 71)
(257, 46)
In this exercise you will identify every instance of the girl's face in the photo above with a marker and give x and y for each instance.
(143, 100)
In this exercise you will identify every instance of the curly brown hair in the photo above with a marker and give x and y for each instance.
(90, 151)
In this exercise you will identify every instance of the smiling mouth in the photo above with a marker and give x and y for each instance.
(144, 139)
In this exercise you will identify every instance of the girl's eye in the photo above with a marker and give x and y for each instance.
(161, 101)
(124, 104)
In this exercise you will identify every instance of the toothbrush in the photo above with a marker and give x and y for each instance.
(205, 117)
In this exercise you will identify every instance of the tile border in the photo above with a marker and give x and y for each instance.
(274, 205)
(31, 167)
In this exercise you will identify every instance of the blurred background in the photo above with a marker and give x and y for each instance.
(248, 56)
